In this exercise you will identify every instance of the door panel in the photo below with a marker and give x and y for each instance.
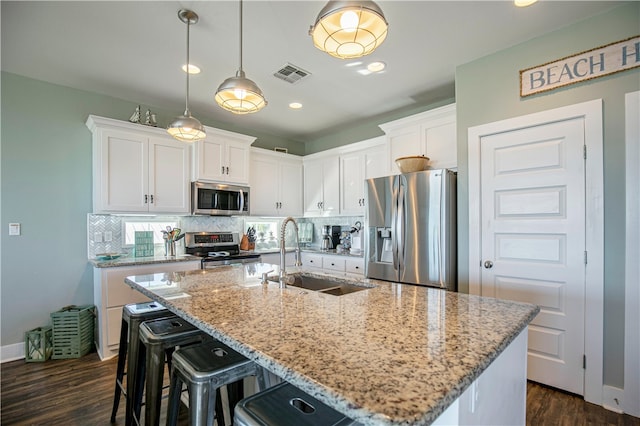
(533, 235)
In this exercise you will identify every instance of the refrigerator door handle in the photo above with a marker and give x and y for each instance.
(394, 215)
(400, 223)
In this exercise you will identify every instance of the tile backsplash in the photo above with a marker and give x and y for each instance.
(100, 227)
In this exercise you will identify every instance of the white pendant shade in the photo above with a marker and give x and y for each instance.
(349, 29)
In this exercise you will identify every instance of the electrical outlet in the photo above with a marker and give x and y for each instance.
(14, 229)
(108, 236)
(97, 237)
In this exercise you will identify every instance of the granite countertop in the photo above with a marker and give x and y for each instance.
(133, 261)
(332, 252)
(390, 355)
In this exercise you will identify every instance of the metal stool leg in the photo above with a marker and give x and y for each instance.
(122, 356)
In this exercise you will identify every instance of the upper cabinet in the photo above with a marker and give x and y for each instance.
(222, 157)
(276, 183)
(364, 160)
(321, 185)
(138, 169)
(431, 133)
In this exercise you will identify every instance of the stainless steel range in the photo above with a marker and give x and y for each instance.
(218, 248)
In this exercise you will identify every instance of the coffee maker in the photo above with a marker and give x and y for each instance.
(330, 237)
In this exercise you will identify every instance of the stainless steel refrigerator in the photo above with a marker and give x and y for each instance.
(411, 228)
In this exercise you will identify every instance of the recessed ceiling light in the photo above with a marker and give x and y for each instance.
(193, 69)
(376, 66)
(524, 3)
(295, 105)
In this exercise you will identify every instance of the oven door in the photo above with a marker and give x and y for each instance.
(217, 199)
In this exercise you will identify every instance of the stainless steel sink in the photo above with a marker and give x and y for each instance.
(326, 285)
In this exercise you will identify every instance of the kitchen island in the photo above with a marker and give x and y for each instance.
(391, 354)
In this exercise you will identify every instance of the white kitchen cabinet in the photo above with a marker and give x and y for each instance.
(222, 157)
(431, 133)
(138, 169)
(369, 160)
(276, 184)
(110, 294)
(321, 185)
(332, 263)
(311, 260)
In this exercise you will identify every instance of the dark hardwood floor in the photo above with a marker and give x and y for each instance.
(80, 392)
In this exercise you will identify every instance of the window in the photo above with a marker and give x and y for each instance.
(266, 234)
(131, 226)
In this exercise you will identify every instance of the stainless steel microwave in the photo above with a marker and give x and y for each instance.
(219, 199)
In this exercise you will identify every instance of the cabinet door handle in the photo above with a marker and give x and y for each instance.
(151, 198)
(222, 172)
(227, 170)
(146, 198)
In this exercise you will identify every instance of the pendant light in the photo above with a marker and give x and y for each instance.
(186, 128)
(238, 94)
(349, 29)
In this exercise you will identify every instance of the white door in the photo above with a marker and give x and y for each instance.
(238, 162)
(533, 240)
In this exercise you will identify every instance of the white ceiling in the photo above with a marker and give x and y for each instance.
(134, 51)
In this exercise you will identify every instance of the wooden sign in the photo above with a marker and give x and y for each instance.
(594, 63)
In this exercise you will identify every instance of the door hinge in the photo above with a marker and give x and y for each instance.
(584, 151)
(585, 257)
(584, 362)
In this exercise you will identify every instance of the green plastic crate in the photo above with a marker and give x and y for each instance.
(38, 344)
(73, 331)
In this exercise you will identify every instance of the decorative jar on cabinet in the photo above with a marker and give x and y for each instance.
(431, 133)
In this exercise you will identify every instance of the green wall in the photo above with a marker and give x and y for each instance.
(487, 90)
(46, 186)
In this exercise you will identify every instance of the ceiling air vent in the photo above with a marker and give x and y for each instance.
(291, 73)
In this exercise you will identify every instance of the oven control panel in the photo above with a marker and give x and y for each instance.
(209, 239)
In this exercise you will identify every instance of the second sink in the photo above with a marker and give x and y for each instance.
(323, 284)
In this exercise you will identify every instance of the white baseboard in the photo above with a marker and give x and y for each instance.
(613, 398)
(11, 352)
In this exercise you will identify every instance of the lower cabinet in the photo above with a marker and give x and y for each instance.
(333, 263)
(111, 294)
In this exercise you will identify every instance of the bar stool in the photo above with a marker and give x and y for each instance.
(286, 405)
(205, 368)
(159, 338)
(132, 316)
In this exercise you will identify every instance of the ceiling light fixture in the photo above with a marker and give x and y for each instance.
(186, 128)
(376, 66)
(295, 105)
(349, 29)
(238, 94)
(191, 69)
(524, 3)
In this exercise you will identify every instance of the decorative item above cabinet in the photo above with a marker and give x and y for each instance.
(222, 157)
(138, 169)
(431, 133)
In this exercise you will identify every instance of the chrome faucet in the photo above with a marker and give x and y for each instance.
(283, 275)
